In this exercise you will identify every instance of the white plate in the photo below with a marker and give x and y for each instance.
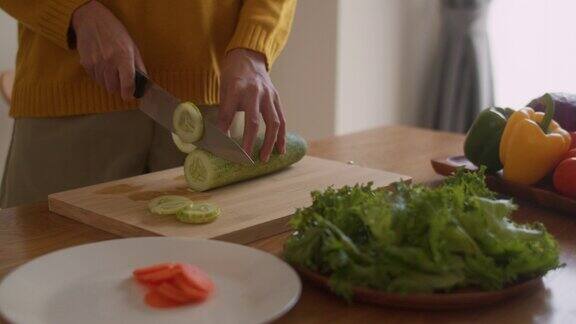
(92, 284)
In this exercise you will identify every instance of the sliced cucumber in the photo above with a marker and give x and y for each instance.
(169, 204)
(205, 171)
(183, 147)
(188, 122)
(198, 213)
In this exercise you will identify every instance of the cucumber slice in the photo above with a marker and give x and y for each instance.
(169, 204)
(183, 147)
(204, 171)
(198, 213)
(188, 122)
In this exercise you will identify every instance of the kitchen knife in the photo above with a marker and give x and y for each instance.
(160, 105)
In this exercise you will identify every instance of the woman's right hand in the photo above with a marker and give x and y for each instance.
(106, 50)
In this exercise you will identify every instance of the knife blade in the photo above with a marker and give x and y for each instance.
(160, 105)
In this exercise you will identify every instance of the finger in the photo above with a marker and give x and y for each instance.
(126, 75)
(227, 111)
(281, 137)
(272, 122)
(111, 79)
(88, 63)
(251, 109)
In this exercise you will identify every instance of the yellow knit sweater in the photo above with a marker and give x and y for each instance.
(182, 43)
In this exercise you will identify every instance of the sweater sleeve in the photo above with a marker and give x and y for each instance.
(49, 18)
(264, 26)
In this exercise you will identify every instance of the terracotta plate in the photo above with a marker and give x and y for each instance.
(439, 301)
(542, 194)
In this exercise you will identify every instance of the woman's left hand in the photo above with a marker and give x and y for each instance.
(246, 85)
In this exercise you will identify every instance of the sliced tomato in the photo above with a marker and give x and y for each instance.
(153, 268)
(196, 277)
(174, 284)
(159, 276)
(171, 291)
(157, 300)
(192, 293)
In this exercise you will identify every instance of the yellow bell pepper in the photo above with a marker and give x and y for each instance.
(532, 144)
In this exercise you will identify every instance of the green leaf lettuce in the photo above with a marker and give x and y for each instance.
(415, 238)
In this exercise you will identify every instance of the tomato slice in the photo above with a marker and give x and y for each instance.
(153, 268)
(174, 284)
(157, 300)
(172, 292)
(159, 276)
(196, 277)
(192, 293)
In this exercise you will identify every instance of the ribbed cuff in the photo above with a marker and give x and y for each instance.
(55, 20)
(256, 38)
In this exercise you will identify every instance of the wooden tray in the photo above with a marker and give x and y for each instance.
(543, 195)
(439, 301)
(251, 210)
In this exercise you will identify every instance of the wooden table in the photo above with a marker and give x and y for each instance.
(30, 231)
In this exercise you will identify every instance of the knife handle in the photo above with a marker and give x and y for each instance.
(140, 81)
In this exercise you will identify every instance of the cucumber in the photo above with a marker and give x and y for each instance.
(183, 147)
(198, 213)
(168, 204)
(188, 122)
(205, 171)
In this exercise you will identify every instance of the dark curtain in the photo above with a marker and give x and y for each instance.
(462, 81)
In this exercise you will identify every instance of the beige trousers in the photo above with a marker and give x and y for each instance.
(49, 155)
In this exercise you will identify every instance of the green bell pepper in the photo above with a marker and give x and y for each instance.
(483, 139)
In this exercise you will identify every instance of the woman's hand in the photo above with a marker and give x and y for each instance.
(106, 51)
(246, 85)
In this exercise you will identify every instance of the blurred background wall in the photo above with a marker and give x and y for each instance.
(353, 65)
(533, 45)
(7, 41)
(8, 46)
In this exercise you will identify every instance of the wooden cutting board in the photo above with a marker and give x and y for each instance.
(251, 210)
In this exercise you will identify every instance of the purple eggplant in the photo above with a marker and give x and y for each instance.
(565, 113)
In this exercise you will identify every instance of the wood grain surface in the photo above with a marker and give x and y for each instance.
(251, 210)
(29, 231)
